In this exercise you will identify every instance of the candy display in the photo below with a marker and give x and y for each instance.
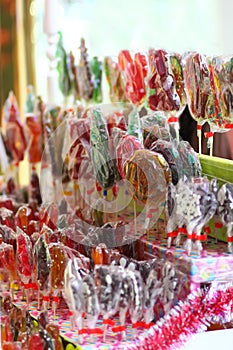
(134, 70)
(109, 242)
(163, 95)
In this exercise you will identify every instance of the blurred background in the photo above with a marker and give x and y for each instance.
(107, 26)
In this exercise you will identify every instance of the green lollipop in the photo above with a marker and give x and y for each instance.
(64, 80)
(103, 165)
(96, 69)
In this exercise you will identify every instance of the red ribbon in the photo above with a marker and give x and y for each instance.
(228, 126)
(201, 237)
(109, 322)
(56, 299)
(218, 225)
(45, 298)
(173, 120)
(182, 230)
(230, 239)
(192, 235)
(172, 234)
(209, 134)
(118, 329)
(207, 229)
(91, 331)
(199, 127)
(142, 324)
(30, 286)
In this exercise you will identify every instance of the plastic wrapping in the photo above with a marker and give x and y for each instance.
(134, 125)
(59, 260)
(178, 76)
(225, 210)
(148, 173)
(24, 256)
(83, 72)
(42, 262)
(220, 109)
(171, 155)
(134, 70)
(79, 150)
(162, 92)
(34, 130)
(125, 150)
(197, 204)
(91, 303)
(15, 136)
(73, 293)
(96, 69)
(190, 164)
(197, 84)
(64, 80)
(102, 163)
(108, 282)
(115, 80)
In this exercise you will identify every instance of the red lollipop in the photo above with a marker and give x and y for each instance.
(135, 71)
(125, 150)
(15, 137)
(163, 96)
(34, 130)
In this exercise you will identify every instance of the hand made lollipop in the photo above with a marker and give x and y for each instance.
(42, 263)
(162, 89)
(197, 86)
(91, 303)
(84, 74)
(103, 164)
(135, 71)
(115, 80)
(225, 210)
(208, 206)
(73, 294)
(148, 174)
(96, 69)
(126, 148)
(59, 258)
(219, 105)
(136, 296)
(108, 282)
(24, 259)
(151, 294)
(14, 135)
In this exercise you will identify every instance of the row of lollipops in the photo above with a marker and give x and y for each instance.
(124, 285)
(158, 80)
(19, 331)
(168, 81)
